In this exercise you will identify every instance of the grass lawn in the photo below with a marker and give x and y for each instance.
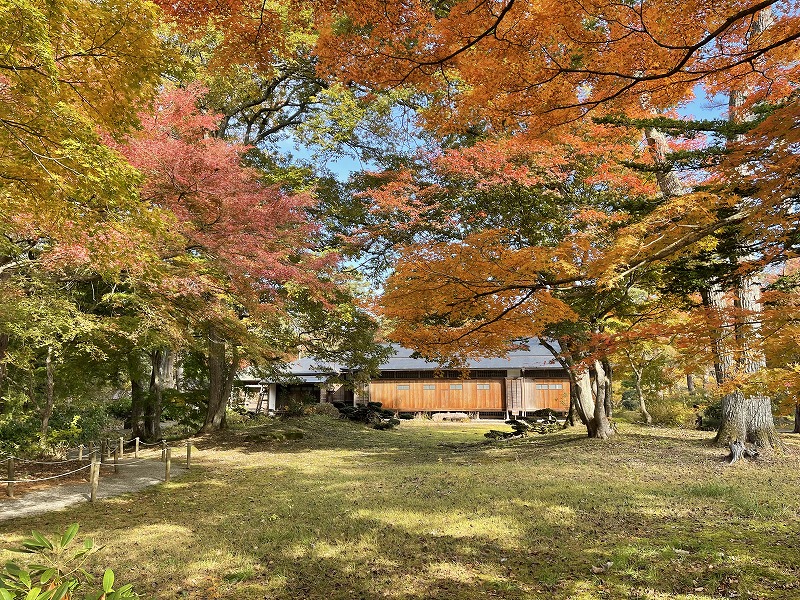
(431, 511)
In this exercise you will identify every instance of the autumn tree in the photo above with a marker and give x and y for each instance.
(69, 212)
(241, 249)
(519, 242)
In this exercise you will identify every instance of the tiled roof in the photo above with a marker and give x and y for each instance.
(536, 357)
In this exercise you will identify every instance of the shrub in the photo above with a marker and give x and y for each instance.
(629, 400)
(57, 572)
(673, 411)
(324, 408)
(370, 413)
(187, 408)
(712, 414)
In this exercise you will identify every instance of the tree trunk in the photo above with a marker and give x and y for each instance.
(668, 181)
(570, 420)
(4, 342)
(637, 383)
(152, 416)
(720, 330)
(584, 402)
(169, 379)
(590, 409)
(690, 384)
(221, 375)
(608, 398)
(49, 395)
(139, 400)
(602, 425)
(748, 418)
(796, 418)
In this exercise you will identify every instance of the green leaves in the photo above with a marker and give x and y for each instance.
(69, 534)
(108, 580)
(58, 573)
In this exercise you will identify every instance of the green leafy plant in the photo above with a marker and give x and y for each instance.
(57, 573)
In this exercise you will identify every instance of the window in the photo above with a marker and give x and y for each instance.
(556, 386)
(484, 386)
(429, 386)
(403, 387)
(541, 386)
(455, 386)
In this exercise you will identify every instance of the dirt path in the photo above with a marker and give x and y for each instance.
(133, 476)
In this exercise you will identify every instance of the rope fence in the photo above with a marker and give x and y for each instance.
(107, 452)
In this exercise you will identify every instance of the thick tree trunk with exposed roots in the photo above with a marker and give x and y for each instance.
(747, 418)
(587, 393)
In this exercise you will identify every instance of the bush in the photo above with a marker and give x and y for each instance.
(673, 411)
(712, 414)
(370, 413)
(187, 408)
(629, 400)
(57, 572)
(324, 408)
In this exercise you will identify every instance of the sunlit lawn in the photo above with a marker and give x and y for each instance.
(430, 511)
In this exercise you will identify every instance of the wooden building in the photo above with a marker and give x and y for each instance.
(524, 382)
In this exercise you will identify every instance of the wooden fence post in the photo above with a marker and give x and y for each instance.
(136, 449)
(10, 488)
(121, 447)
(116, 462)
(189, 454)
(163, 450)
(80, 453)
(103, 445)
(108, 448)
(168, 460)
(94, 479)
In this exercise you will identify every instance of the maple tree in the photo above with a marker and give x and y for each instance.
(512, 69)
(242, 247)
(70, 214)
(517, 248)
(511, 65)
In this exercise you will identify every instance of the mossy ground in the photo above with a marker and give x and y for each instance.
(432, 511)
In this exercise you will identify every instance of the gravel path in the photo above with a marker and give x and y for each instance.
(133, 476)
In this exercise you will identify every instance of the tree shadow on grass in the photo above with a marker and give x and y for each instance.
(415, 530)
(385, 515)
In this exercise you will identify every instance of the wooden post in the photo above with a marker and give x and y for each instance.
(116, 462)
(103, 446)
(80, 453)
(94, 479)
(167, 463)
(10, 488)
(108, 449)
(121, 447)
(163, 450)
(189, 454)
(136, 449)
